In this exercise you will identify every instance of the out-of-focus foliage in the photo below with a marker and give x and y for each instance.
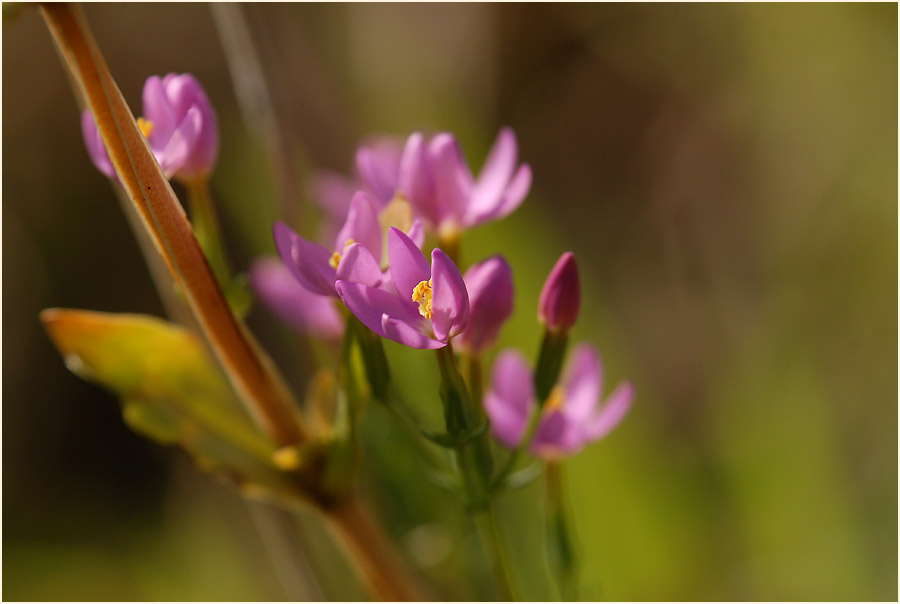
(171, 391)
(726, 176)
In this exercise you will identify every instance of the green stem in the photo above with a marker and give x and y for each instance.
(206, 227)
(560, 546)
(473, 455)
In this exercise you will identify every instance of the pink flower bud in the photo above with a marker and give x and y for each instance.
(561, 296)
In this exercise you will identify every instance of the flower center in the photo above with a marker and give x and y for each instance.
(422, 294)
(146, 126)
(555, 400)
(336, 257)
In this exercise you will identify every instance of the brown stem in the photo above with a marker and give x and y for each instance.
(377, 561)
(248, 367)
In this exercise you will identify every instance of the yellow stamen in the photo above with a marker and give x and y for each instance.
(555, 400)
(336, 257)
(422, 295)
(146, 126)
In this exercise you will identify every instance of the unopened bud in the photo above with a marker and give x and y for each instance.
(561, 296)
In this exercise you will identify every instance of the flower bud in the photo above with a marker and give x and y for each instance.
(561, 295)
(491, 295)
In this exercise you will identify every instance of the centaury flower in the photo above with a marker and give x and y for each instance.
(571, 417)
(437, 180)
(428, 304)
(179, 124)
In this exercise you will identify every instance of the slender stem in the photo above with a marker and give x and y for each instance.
(402, 417)
(206, 227)
(376, 559)
(250, 370)
(474, 458)
(561, 548)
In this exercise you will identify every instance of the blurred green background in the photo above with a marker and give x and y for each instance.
(727, 177)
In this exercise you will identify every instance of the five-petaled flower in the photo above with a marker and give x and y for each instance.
(179, 124)
(571, 416)
(427, 306)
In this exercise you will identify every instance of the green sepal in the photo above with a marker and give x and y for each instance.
(549, 364)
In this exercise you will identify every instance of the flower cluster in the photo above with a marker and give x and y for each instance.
(376, 267)
(373, 263)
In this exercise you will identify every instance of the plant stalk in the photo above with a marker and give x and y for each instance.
(370, 549)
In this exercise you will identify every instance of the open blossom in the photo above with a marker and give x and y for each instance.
(292, 303)
(435, 177)
(571, 418)
(437, 180)
(428, 304)
(490, 287)
(355, 256)
(179, 124)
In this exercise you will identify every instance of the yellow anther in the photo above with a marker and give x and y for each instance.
(336, 256)
(555, 400)
(146, 126)
(422, 294)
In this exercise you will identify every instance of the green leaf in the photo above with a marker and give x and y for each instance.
(171, 391)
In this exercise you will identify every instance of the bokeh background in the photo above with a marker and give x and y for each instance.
(726, 175)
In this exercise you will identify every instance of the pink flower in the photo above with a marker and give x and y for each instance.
(427, 305)
(437, 180)
(179, 124)
(571, 418)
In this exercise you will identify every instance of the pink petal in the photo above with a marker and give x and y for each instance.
(408, 265)
(93, 142)
(386, 314)
(490, 288)
(452, 179)
(307, 261)
(361, 225)
(614, 411)
(158, 109)
(358, 265)
(303, 310)
(582, 383)
(378, 165)
(497, 170)
(510, 401)
(449, 298)
(416, 180)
